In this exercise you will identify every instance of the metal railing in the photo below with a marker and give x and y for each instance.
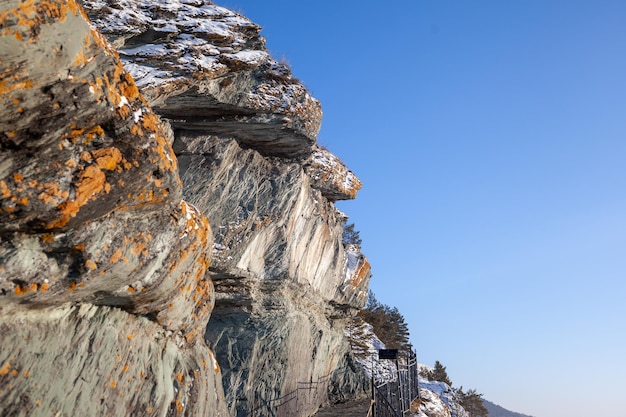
(393, 398)
(307, 394)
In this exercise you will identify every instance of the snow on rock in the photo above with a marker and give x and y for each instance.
(365, 345)
(437, 399)
(176, 37)
(331, 176)
(207, 69)
(358, 274)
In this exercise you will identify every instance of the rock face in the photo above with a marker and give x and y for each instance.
(104, 269)
(104, 295)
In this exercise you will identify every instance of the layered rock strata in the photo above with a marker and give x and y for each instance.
(96, 236)
(104, 295)
(245, 133)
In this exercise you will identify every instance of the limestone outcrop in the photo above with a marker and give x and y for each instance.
(114, 163)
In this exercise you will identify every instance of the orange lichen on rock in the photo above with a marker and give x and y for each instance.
(107, 158)
(51, 193)
(91, 182)
(4, 190)
(150, 124)
(115, 258)
(5, 368)
(139, 248)
(25, 20)
(361, 272)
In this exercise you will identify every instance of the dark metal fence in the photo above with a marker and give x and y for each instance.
(393, 398)
(307, 395)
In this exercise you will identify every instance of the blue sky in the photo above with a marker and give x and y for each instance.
(490, 138)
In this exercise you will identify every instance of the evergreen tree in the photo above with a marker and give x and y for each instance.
(439, 373)
(350, 236)
(388, 324)
(472, 402)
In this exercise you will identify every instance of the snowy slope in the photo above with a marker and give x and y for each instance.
(437, 398)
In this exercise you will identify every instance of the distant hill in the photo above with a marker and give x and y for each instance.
(497, 411)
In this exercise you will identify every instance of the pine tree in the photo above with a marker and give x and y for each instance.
(350, 236)
(388, 324)
(472, 402)
(439, 373)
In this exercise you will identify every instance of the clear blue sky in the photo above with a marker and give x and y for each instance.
(490, 138)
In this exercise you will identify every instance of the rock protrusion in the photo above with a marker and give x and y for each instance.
(331, 176)
(206, 68)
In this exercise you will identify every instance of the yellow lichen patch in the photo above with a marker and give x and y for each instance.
(26, 374)
(44, 287)
(151, 124)
(115, 258)
(31, 14)
(92, 133)
(4, 190)
(113, 384)
(72, 286)
(17, 177)
(139, 248)
(362, 271)
(14, 83)
(128, 87)
(107, 158)
(91, 264)
(86, 157)
(82, 58)
(130, 336)
(51, 193)
(5, 368)
(179, 377)
(91, 182)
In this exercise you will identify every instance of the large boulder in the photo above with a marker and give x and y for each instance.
(102, 265)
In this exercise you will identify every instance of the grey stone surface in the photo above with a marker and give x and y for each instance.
(84, 360)
(91, 218)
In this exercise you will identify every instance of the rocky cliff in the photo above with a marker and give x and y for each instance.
(117, 154)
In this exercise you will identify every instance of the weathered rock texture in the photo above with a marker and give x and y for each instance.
(245, 134)
(104, 295)
(103, 268)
